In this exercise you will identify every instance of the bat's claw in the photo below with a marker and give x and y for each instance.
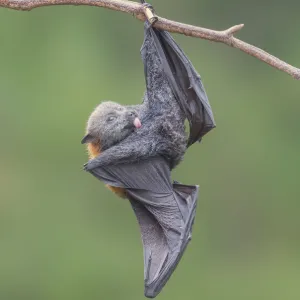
(149, 13)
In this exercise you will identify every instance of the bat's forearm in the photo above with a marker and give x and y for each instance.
(120, 154)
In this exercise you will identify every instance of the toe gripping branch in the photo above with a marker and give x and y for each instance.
(149, 12)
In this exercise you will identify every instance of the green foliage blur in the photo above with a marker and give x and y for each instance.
(64, 236)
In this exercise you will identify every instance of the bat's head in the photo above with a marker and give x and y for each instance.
(109, 124)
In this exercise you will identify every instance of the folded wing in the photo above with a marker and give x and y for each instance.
(165, 213)
(183, 80)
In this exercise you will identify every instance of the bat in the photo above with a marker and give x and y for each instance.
(140, 164)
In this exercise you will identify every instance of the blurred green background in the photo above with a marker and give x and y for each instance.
(63, 235)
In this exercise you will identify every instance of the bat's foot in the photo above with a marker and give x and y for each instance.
(149, 13)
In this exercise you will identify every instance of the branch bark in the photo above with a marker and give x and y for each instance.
(137, 9)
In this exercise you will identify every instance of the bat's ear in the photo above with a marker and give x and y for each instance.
(87, 139)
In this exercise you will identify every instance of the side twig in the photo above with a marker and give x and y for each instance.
(137, 9)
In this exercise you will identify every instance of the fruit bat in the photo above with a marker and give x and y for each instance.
(140, 164)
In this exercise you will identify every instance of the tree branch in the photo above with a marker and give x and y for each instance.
(137, 9)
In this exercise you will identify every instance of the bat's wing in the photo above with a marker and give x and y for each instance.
(183, 79)
(165, 213)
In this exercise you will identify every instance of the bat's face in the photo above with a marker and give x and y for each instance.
(110, 123)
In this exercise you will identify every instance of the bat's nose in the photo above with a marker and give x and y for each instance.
(132, 114)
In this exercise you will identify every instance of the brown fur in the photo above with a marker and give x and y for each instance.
(94, 149)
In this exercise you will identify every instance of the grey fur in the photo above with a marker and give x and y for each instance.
(162, 132)
(109, 124)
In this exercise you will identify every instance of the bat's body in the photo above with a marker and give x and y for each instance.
(134, 148)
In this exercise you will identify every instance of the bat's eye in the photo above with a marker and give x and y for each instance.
(111, 118)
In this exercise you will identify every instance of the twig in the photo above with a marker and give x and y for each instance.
(137, 9)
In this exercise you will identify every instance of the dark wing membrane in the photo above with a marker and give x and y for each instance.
(185, 83)
(165, 213)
